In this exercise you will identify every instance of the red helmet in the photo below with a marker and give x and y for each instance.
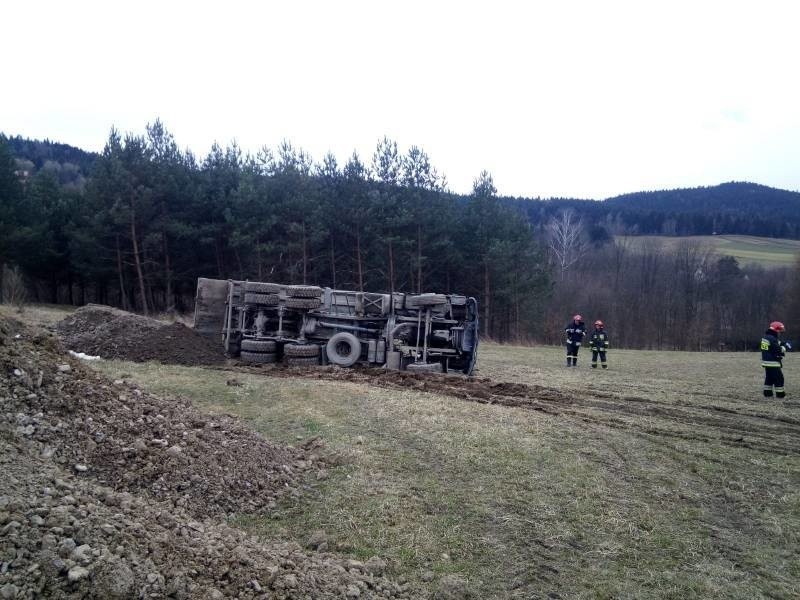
(598, 323)
(577, 318)
(777, 326)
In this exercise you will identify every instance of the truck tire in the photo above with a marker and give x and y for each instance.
(261, 299)
(303, 291)
(301, 350)
(425, 300)
(259, 357)
(343, 349)
(303, 303)
(424, 367)
(302, 361)
(261, 288)
(259, 346)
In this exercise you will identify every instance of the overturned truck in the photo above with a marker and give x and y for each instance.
(308, 325)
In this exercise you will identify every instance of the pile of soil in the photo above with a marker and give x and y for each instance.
(113, 333)
(111, 492)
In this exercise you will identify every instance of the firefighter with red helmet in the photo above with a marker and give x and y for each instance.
(773, 349)
(598, 342)
(576, 331)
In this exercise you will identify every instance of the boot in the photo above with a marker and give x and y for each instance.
(605, 366)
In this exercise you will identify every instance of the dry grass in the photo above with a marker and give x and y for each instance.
(41, 315)
(664, 477)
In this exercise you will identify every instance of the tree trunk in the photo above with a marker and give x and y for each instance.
(419, 258)
(218, 254)
(486, 296)
(333, 263)
(391, 267)
(358, 261)
(123, 298)
(169, 300)
(138, 263)
(305, 255)
(238, 262)
(258, 256)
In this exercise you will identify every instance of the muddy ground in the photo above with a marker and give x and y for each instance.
(111, 492)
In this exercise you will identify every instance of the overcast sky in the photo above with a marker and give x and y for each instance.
(580, 99)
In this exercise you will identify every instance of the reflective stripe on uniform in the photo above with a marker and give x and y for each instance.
(771, 363)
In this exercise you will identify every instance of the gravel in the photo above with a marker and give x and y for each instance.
(117, 493)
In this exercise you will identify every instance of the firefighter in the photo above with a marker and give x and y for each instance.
(772, 352)
(598, 342)
(575, 331)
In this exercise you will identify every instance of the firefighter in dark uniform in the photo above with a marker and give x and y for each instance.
(598, 342)
(575, 331)
(772, 352)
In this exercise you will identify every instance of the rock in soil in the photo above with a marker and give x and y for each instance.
(147, 517)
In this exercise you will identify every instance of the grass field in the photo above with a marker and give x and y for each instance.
(769, 252)
(666, 476)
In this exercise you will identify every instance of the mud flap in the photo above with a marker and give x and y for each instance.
(210, 307)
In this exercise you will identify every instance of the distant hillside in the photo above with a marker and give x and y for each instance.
(730, 208)
(747, 250)
(70, 165)
(40, 151)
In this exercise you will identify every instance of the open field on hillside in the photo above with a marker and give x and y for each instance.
(769, 252)
(666, 476)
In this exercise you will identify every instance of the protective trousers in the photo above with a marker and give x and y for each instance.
(602, 354)
(572, 353)
(773, 378)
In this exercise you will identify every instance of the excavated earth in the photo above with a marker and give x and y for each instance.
(112, 333)
(110, 492)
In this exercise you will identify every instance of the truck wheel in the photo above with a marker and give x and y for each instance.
(303, 291)
(343, 349)
(425, 300)
(262, 299)
(259, 346)
(424, 367)
(302, 361)
(261, 288)
(259, 357)
(301, 350)
(303, 303)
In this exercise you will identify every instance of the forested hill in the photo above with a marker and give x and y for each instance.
(729, 208)
(70, 165)
(735, 207)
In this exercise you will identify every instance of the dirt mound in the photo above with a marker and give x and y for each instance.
(132, 440)
(113, 333)
(110, 492)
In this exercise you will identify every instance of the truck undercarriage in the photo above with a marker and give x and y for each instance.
(304, 325)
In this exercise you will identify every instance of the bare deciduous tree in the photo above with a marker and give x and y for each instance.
(566, 239)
